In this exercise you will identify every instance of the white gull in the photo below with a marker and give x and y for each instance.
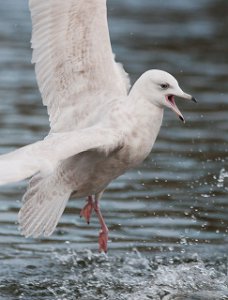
(98, 128)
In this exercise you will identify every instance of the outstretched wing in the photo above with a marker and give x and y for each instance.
(73, 56)
(44, 156)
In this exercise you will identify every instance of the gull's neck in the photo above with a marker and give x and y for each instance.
(137, 99)
(148, 115)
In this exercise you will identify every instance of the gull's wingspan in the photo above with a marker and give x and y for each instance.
(44, 156)
(73, 56)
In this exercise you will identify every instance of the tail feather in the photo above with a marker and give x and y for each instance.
(43, 205)
(34, 181)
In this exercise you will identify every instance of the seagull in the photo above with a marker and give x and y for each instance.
(100, 126)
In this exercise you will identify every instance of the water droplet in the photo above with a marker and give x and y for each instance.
(205, 195)
(223, 174)
(183, 241)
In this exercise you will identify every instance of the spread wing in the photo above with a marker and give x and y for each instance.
(44, 156)
(73, 58)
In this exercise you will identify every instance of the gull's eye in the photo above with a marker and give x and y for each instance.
(164, 86)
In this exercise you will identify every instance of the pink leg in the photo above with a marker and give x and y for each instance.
(87, 209)
(103, 235)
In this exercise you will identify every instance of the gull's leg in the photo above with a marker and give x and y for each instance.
(87, 209)
(103, 236)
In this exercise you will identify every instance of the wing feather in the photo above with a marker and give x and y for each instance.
(44, 156)
(73, 55)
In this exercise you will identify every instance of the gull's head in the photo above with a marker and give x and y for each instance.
(160, 88)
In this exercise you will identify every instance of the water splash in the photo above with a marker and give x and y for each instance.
(223, 174)
(134, 276)
(71, 275)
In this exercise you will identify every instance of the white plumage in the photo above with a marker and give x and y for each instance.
(73, 57)
(98, 129)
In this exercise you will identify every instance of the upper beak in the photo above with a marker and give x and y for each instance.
(172, 104)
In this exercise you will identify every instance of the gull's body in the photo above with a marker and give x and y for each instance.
(98, 128)
(93, 170)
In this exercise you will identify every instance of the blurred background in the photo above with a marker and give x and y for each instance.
(175, 203)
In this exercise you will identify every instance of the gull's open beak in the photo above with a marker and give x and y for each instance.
(171, 102)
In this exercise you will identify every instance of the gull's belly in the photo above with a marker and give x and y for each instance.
(92, 171)
(95, 179)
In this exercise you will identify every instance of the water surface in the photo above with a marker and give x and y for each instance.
(167, 218)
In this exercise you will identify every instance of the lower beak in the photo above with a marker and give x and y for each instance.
(173, 106)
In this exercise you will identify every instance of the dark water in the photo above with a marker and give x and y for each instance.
(168, 218)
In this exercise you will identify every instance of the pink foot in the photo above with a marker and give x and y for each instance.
(103, 235)
(103, 240)
(87, 209)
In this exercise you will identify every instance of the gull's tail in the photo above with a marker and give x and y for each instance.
(43, 205)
